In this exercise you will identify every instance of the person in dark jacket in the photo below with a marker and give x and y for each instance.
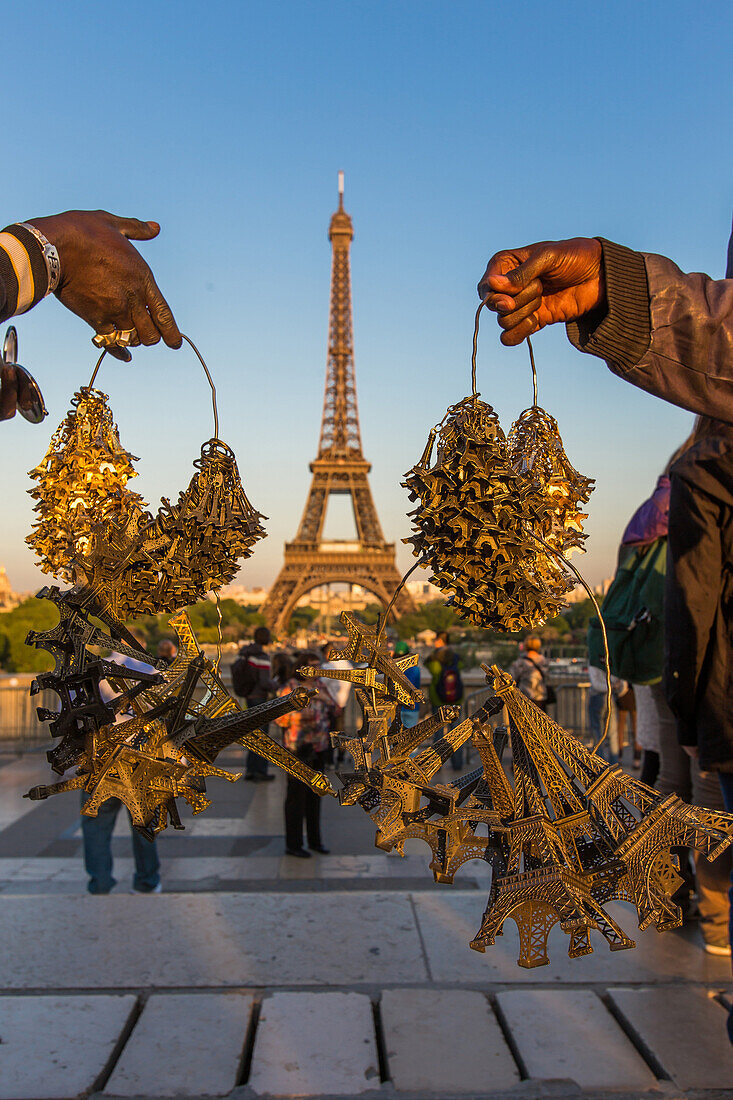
(262, 687)
(699, 596)
(671, 334)
(698, 638)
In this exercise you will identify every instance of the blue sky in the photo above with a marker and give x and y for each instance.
(462, 127)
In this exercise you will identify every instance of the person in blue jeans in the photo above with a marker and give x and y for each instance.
(410, 715)
(97, 831)
(446, 687)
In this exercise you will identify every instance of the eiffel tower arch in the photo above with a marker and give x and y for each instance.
(340, 468)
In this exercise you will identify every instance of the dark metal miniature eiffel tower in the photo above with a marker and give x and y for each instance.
(340, 468)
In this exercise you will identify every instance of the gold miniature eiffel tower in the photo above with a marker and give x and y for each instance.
(579, 834)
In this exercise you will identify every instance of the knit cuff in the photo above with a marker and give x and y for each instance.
(23, 271)
(620, 333)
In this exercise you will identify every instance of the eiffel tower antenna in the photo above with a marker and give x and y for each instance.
(340, 436)
(339, 468)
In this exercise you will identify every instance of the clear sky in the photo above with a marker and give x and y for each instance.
(462, 127)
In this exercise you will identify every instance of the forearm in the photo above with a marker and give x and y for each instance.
(24, 276)
(694, 570)
(669, 333)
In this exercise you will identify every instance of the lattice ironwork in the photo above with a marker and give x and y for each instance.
(340, 468)
(158, 737)
(564, 836)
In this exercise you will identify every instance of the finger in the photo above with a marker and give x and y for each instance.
(146, 330)
(524, 329)
(504, 303)
(8, 393)
(162, 315)
(497, 267)
(511, 320)
(119, 353)
(535, 261)
(133, 229)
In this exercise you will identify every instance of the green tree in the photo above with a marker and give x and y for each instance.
(15, 655)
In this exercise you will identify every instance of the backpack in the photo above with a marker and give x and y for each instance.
(449, 687)
(633, 611)
(244, 677)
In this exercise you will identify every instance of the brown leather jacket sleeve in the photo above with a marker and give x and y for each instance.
(669, 333)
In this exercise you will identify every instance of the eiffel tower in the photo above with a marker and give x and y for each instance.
(310, 561)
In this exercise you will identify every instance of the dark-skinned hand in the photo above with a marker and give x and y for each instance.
(104, 280)
(542, 284)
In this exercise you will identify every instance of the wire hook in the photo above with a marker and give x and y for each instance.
(200, 358)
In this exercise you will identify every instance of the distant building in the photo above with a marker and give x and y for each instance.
(8, 598)
(579, 594)
(246, 597)
(424, 591)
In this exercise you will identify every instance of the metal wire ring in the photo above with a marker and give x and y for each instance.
(201, 361)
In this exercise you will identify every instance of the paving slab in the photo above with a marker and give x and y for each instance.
(209, 940)
(15, 779)
(315, 1044)
(570, 1034)
(56, 1047)
(685, 1030)
(449, 919)
(444, 1041)
(184, 1044)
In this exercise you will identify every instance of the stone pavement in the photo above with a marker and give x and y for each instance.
(255, 975)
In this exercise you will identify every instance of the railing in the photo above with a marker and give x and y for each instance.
(569, 711)
(19, 723)
(18, 719)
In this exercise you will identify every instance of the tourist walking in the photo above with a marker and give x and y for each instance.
(529, 672)
(340, 692)
(97, 831)
(307, 734)
(252, 681)
(446, 686)
(410, 715)
(699, 649)
(598, 710)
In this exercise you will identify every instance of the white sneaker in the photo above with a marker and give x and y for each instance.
(722, 949)
(156, 890)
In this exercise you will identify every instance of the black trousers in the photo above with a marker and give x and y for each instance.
(302, 804)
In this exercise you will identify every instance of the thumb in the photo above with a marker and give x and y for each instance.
(510, 271)
(135, 230)
(532, 268)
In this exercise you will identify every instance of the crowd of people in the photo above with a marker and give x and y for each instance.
(258, 675)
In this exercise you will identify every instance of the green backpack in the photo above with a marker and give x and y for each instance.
(633, 611)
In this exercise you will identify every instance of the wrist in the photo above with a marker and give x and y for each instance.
(50, 256)
(23, 269)
(58, 232)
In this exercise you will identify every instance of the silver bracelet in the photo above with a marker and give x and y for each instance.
(50, 255)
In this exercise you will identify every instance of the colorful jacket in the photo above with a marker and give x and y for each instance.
(309, 728)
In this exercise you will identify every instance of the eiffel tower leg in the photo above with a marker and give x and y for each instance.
(614, 934)
(580, 942)
(534, 919)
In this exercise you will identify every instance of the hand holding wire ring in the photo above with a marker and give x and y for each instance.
(121, 338)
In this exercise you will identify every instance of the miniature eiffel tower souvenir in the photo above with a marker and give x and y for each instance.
(474, 522)
(81, 482)
(536, 451)
(577, 833)
(149, 737)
